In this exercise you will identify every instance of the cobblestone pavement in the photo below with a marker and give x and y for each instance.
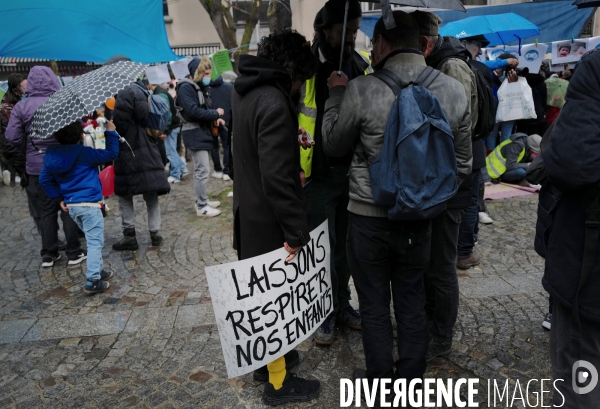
(151, 341)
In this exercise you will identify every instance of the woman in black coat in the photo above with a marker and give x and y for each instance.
(269, 206)
(139, 168)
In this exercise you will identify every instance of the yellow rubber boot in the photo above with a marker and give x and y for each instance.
(277, 372)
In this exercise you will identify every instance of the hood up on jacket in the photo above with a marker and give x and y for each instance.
(63, 157)
(447, 47)
(256, 71)
(41, 82)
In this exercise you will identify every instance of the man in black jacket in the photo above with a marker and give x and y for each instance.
(326, 177)
(139, 168)
(572, 271)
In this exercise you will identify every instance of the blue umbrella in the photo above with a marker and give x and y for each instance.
(498, 29)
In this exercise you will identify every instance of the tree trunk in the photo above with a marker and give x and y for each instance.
(279, 15)
(220, 15)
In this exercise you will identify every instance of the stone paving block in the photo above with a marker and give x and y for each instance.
(151, 319)
(486, 287)
(13, 331)
(84, 325)
(195, 315)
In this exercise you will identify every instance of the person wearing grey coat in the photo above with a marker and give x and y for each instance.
(383, 252)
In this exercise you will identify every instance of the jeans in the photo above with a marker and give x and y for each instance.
(177, 165)
(562, 359)
(470, 220)
(201, 169)
(91, 221)
(45, 214)
(505, 127)
(514, 175)
(216, 156)
(441, 281)
(383, 252)
(328, 200)
(128, 213)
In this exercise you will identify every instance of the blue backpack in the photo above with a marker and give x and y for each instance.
(157, 121)
(415, 173)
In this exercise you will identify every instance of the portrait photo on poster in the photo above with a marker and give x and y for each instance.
(532, 56)
(568, 51)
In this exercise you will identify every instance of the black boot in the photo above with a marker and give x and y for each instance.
(128, 242)
(156, 239)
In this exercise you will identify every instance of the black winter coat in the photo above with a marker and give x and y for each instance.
(140, 171)
(573, 165)
(268, 205)
(200, 137)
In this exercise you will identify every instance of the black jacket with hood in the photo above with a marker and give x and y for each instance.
(269, 205)
(139, 167)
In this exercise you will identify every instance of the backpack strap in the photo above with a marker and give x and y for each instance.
(427, 77)
(391, 80)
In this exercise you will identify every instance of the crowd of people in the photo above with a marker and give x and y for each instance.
(292, 92)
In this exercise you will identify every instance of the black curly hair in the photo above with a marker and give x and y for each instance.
(292, 51)
(70, 134)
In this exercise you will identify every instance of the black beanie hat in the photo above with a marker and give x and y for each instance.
(333, 13)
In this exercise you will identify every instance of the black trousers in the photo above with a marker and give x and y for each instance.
(45, 214)
(381, 254)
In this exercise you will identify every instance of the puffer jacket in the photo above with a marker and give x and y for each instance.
(41, 84)
(139, 168)
(70, 172)
(356, 117)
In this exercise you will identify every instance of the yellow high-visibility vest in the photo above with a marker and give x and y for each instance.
(307, 114)
(496, 163)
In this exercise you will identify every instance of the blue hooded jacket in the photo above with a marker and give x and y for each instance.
(70, 172)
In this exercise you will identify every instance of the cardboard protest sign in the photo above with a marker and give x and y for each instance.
(158, 74)
(494, 53)
(220, 63)
(180, 68)
(568, 51)
(532, 57)
(265, 306)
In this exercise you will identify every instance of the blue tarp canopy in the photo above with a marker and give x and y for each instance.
(84, 30)
(558, 20)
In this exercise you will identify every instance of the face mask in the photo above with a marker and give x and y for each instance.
(23, 96)
(205, 81)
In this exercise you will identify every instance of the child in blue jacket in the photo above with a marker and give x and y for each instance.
(70, 175)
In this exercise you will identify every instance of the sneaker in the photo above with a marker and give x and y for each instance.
(547, 321)
(213, 203)
(325, 334)
(106, 275)
(438, 346)
(78, 259)
(226, 177)
(294, 389)
(98, 286)
(208, 211)
(48, 261)
(217, 175)
(484, 218)
(156, 239)
(230, 194)
(350, 317)
(171, 179)
(292, 358)
(467, 263)
(185, 173)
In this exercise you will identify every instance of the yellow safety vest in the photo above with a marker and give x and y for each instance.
(307, 114)
(496, 163)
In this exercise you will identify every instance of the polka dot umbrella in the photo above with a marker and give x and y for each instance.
(82, 96)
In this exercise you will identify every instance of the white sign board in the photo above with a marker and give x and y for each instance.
(180, 68)
(158, 74)
(265, 306)
(494, 53)
(532, 57)
(592, 43)
(568, 51)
